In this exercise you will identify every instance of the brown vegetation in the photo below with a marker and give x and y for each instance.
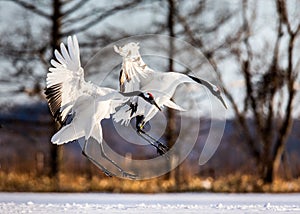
(238, 183)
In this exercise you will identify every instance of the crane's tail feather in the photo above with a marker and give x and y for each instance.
(66, 134)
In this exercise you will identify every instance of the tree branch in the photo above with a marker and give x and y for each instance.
(30, 7)
(241, 118)
(75, 7)
(101, 17)
(82, 17)
(189, 31)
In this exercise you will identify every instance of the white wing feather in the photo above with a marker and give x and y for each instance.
(65, 80)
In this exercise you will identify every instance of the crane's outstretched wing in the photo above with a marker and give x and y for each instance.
(65, 79)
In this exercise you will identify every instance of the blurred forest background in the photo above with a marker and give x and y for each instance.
(252, 45)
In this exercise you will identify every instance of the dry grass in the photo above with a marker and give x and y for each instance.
(250, 183)
(24, 182)
(82, 183)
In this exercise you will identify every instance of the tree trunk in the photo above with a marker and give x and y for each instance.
(55, 151)
(266, 173)
(271, 159)
(171, 115)
(265, 162)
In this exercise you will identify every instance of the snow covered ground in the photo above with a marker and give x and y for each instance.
(148, 203)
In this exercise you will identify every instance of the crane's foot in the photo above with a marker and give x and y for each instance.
(161, 148)
(107, 173)
(129, 175)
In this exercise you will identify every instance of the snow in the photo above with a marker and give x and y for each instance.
(148, 203)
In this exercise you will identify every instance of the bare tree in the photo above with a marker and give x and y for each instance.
(269, 76)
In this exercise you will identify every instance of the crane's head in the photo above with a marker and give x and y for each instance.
(130, 50)
(149, 98)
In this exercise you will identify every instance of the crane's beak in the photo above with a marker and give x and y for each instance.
(156, 105)
(222, 101)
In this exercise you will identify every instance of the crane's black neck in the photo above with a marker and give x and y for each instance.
(196, 79)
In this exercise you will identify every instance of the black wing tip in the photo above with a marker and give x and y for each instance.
(53, 96)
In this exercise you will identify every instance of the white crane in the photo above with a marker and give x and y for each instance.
(80, 106)
(136, 75)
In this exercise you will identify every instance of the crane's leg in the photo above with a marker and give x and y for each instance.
(97, 135)
(124, 174)
(161, 148)
(139, 132)
(106, 171)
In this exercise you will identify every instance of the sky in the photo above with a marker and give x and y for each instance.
(143, 16)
